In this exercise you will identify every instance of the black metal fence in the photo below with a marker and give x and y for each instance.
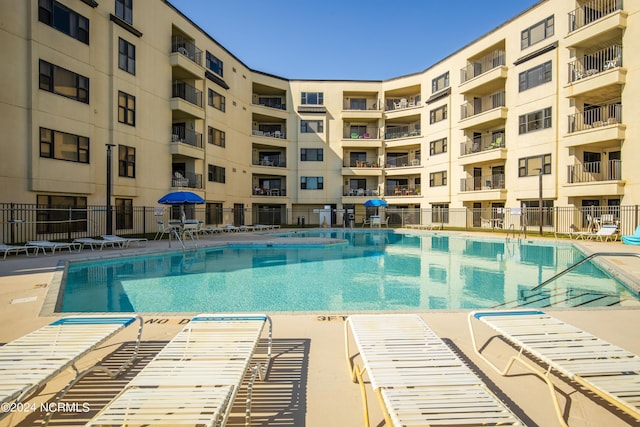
(20, 223)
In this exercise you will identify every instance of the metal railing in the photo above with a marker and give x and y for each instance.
(23, 222)
(275, 134)
(483, 143)
(592, 11)
(187, 48)
(275, 102)
(480, 105)
(481, 183)
(595, 62)
(187, 92)
(395, 132)
(595, 116)
(401, 161)
(186, 136)
(188, 180)
(367, 162)
(481, 65)
(402, 102)
(360, 104)
(360, 132)
(403, 190)
(610, 170)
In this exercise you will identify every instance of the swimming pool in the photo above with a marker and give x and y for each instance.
(378, 270)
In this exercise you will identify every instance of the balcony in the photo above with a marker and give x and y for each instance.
(186, 48)
(592, 11)
(396, 104)
(403, 131)
(269, 191)
(482, 105)
(483, 143)
(186, 101)
(269, 134)
(590, 65)
(185, 136)
(269, 101)
(487, 72)
(273, 161)
(401, 161)
(367, 162)
(187, 180)
(482, 183)
(595, 116)
(595, 172)
(403, 191)
(359, 192)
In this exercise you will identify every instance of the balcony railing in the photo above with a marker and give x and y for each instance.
(483, 143)
(402, 161)
(277, 162)
(480, 105)
(187, 92)
(487, 182)
(187, 48)
(596, 116)
(359, 192)
(184, 136)
(595, 62)
(188, 180)
(402, 103)
(610, 170)
(269, 192)
(275, 134)
(367, 162)
(360, 132)
(269, 101)
(394, 132)
(481, 65)
(402, 190)
(592, 11)
(361, 104)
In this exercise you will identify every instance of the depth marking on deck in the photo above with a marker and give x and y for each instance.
(332, 318)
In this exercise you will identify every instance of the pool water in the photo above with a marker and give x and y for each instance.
(373, 271)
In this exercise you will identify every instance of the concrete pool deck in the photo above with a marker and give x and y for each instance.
(309, 383)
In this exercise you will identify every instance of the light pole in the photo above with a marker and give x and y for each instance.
(540, 196)
(108, 202)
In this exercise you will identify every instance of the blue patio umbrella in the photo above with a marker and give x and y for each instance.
(375, 203)
(181, 198)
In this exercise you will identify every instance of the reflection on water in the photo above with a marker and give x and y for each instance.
(376, 270)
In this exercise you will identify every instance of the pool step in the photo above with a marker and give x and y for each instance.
(562, 298)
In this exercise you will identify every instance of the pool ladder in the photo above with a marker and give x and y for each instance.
(527, 293)
(512, 230)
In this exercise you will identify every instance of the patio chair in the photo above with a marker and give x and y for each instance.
(195, 378)
(595, 364)
(633, 239)
(93, 243)
(162, 230)
(605, 232)
(29, 362)
(53, 246)
(417, 378)
(125, 242)
(12, 249)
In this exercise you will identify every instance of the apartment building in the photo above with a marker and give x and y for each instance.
(537, 103)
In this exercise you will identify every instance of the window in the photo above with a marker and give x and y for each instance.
(312, 98)
(216, 100)
(216, 174)
(311, 155)
(438, 114)
(438, 179)
(535, 76)
(63, 82)
(440, 82)
(536, 33)
(214, 64)
(311, 183)
(63, 19)
(53, 214)
(124, 10)
(311, 126)
(540, 119)
(126, 56)
(217, 137)
(438, 146)
(124, 214)
(530, 166)
(63, 146)
(126, 161)
(126, 108)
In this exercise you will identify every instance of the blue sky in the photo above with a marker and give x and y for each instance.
(346, 39)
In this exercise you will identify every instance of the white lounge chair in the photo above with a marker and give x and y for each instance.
(31, 361)
(53, 246)
(12, 249)
(95, 243)
(595, 364)
(195, 378)
(418, 379)
(605, 232)
(125, 242)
